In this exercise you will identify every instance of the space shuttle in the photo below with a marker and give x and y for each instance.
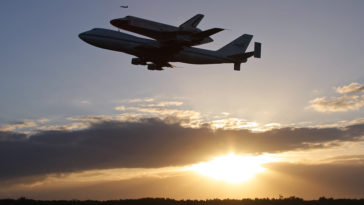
(187, 34)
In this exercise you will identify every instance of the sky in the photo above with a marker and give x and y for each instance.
(81, 122)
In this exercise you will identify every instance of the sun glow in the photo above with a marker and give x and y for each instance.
(233, 168)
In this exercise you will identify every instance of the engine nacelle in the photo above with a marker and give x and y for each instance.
(138, 61)
(154, 67)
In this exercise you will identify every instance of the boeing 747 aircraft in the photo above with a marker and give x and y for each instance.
(156, 54)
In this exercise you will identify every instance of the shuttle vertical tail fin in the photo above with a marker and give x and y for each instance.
(192, 22)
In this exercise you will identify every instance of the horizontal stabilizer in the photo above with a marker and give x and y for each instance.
(242, 55)
(193, 22)
(208, 32)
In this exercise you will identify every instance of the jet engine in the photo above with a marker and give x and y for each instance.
(154, 67)
(138, 61)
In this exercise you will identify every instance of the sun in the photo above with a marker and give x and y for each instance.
(233, 168)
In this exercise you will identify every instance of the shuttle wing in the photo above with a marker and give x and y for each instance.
(193, 22)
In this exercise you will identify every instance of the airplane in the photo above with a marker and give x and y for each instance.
(156, 55)
(187, 34)
(124, 7)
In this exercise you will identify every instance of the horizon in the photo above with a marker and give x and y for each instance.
(280, 198)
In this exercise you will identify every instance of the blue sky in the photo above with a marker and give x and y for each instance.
(311, 51)
(307, 46)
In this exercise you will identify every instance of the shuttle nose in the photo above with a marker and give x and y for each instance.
(119, 23)
(82, 35)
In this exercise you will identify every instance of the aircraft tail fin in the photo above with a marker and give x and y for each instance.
(236, 50)
(192, 22)
(237, 46)
(208, 32)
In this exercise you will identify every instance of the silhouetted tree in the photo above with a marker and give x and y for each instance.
(166, 201)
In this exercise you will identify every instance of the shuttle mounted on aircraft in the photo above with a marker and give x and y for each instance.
(170, 44)
(187, 34)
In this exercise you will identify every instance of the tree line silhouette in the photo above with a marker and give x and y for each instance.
(166, 201)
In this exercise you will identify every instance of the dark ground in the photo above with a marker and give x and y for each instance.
(163, 201)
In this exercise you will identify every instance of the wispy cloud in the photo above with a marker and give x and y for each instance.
(341, 103)
(189, 114)
(43, 120)
(85, 102)
(149, 104)
(66, 127)
(162, 110)
(351, 88)
(337, 104)
(233, 123)
(120, 108)
(346, 159)
(18, 125)
(166, 104)
(138, 100)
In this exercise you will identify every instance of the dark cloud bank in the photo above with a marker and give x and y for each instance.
(149, 143)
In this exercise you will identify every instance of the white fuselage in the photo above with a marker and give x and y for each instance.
(122, 42)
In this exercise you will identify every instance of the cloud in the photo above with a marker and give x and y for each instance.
(18, 125)
(150, 143)
(22, 124)
(86, 102)
(120, 108)
(138, 100)
(160, 111)
(43, 120)
(356, 121)
(233, 123)
(337, 104)
(71, 126)
(342, 103)
(342, 123)
(347, 159)
(88, 120)
(166, 104)
(352, 88)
